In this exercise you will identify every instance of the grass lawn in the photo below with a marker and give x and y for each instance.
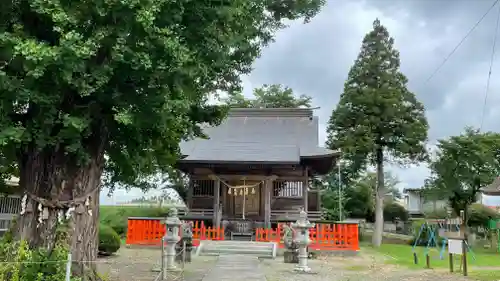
(482, 265)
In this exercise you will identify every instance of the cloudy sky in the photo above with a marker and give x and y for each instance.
(314, 59)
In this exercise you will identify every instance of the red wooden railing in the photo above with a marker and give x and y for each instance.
(149, 231)
(323, 236)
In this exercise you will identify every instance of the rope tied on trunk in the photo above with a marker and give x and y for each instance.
(79, 205)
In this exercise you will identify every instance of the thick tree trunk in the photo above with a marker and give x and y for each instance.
(379, 200)
(58, 189)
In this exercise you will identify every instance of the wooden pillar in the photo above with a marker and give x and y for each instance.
(318, 194)
(224, 200)
(189, 196)
(305, 189)
(267, 202)
(216, 219)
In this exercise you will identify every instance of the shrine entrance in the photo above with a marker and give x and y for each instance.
(247, 201)
(246, 198)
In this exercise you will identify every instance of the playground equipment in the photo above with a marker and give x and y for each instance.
(494, 230)
(432, 235)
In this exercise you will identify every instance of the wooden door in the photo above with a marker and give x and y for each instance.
(252, 202)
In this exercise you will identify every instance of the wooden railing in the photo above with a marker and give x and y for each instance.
(323, 236)
(149, 231)
(294, 214)
(6, 221)
(339, 236)
(201, 212)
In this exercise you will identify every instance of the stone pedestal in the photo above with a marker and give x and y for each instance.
(169, 243)
(291, 256)
(183, 252)
(301, 228)
(184, 247)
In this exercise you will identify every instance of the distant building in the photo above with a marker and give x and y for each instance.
(10, 206)
(416, 204)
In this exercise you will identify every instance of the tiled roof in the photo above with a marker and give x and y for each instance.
(259, 135)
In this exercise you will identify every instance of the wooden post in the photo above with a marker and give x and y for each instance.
(190, 194)
(305, 189)
(318, 194)
(450, 257)
(427, 261)
(267, 203)
(216, 220)
(463, 229)
(224, 200)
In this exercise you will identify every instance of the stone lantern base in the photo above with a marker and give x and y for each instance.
(302, 269)
(291, 256)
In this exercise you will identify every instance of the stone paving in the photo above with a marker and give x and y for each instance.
(236, 267)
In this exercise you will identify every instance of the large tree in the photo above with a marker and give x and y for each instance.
(378, 119)
(463, 165)
(89, 87)
(269, 96)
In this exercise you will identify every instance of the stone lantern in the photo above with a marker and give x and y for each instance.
(171, 238)
(301, 228)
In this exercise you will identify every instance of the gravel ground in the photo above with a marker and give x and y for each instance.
(137, 265)
(358, 268)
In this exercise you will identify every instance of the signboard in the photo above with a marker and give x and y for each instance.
(455, 246)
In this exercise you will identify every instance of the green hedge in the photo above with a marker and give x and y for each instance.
(109, 240)
(116, 217)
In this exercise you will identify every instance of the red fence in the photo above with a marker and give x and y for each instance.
(322, 236)
(149, 231)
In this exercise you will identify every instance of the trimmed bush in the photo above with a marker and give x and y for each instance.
(393, 211)
(109, 240)
(116, 217)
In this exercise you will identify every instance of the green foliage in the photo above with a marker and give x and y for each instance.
(424, 235)
(128, 79)
(109, 240)
(269, 96)
(116, 217)
(394, 211)
(463, 165)
(20, 263)
(376, 111)
(330, 202)
(362, 191)
(480, 215)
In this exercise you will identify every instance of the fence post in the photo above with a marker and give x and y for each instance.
(68, 267)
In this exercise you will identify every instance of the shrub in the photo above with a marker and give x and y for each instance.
(20, 263)
(479, 215)
(393, 211)
(109, 240)
(424, 234)
(116, 217)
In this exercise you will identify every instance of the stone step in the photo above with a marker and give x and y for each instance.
(228, 266)
(257, 249)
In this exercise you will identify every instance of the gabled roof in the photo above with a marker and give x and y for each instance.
(492, 189)
(266, 135)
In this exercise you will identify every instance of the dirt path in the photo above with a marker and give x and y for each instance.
(137, 265)
(143, 264)
(359, 268)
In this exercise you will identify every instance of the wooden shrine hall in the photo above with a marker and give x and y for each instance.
(256, 167)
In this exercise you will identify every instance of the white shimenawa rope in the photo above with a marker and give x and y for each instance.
(243, 189)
